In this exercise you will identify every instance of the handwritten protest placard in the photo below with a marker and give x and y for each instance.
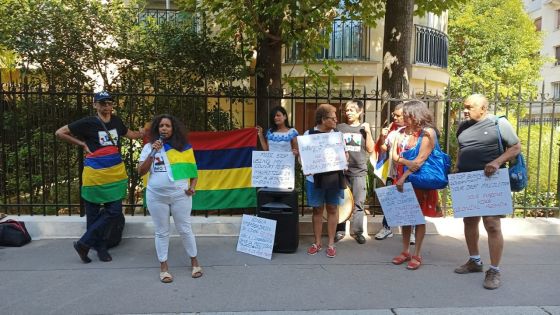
(473, 194)
(400, 208)
(256, 236)
(323, 152)
(273, 169)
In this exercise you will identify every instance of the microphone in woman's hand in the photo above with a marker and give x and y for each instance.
(154, 150)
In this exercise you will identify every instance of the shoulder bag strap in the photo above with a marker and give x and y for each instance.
(499, 136)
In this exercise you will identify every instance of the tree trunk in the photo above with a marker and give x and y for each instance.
(397, 43)
(268, 77)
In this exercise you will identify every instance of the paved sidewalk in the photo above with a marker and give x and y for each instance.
(47, 277)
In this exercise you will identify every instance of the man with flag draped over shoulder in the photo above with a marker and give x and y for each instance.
(104, 178)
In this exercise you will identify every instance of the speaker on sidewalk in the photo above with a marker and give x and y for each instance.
(281, 205)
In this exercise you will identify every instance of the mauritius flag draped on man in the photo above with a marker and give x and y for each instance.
(224, 169)
(104, 177)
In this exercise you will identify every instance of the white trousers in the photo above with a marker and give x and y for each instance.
(180, 207)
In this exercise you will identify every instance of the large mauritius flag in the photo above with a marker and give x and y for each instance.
(104, 177)
(223, 160)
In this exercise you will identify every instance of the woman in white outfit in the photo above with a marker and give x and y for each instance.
(169, 159)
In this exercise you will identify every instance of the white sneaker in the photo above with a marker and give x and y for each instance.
(383, 234)
(412, 239)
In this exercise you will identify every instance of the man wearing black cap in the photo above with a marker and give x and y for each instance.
(104, 179)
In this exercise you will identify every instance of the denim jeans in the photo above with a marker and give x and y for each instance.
(98, 216)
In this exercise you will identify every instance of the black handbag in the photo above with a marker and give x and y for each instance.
(13, 233)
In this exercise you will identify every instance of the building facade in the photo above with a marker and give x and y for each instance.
(358, 50)
(546, 16)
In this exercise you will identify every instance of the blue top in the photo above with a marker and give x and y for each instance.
(281, 141)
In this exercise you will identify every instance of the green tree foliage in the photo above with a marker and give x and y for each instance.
(183, 53)
(177, 67)
(72, 41)
(493, 42)
(266, 26)
(66, 39)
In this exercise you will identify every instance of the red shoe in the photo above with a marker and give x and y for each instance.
(331, 251)
(401, 258)
(414, 263)
(314, 249)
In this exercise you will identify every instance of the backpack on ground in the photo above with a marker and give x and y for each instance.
(13, 233)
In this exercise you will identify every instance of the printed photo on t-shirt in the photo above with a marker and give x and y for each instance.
(159, 164)
(104, 139)
(353, 141)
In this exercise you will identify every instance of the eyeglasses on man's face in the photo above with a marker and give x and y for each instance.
(105, 103)
(331, 117)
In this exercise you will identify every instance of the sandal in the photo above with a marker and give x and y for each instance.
(401, 258)
(414, 263)
(197, 272)
(165, 277)
(314, 249)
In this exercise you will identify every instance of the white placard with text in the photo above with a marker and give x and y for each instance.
(273, 169)
(400, 208)
(256, 236)
(473, 194)
(323, 152)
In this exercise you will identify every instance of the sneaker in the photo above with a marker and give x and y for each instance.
(412, 239)
(470, 266)
(82, 251)
(383, 234)
(331, 251)
(359, 238)
(338, 236)
(314, 249)
(492, 279)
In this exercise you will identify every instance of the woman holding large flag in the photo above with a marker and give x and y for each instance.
(169, 160)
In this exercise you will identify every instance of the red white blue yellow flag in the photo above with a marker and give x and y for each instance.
(224, 169)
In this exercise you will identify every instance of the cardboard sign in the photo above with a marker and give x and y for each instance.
(323, 152)
(473, 194)
(400, 208)
(256, 236)
(273, 169)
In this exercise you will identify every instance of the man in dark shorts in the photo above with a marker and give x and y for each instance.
(479, 150)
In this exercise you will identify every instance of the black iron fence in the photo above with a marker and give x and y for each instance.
(40, 175)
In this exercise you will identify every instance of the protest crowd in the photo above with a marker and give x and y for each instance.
(334, 157)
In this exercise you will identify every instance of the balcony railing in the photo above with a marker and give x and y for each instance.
(349, 41)
(431, 47)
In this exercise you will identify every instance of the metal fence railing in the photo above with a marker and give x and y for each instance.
(349, 40)
(40, 175)
(431, 47)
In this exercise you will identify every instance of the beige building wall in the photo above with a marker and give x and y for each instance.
(548, 11)
(366, 74)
